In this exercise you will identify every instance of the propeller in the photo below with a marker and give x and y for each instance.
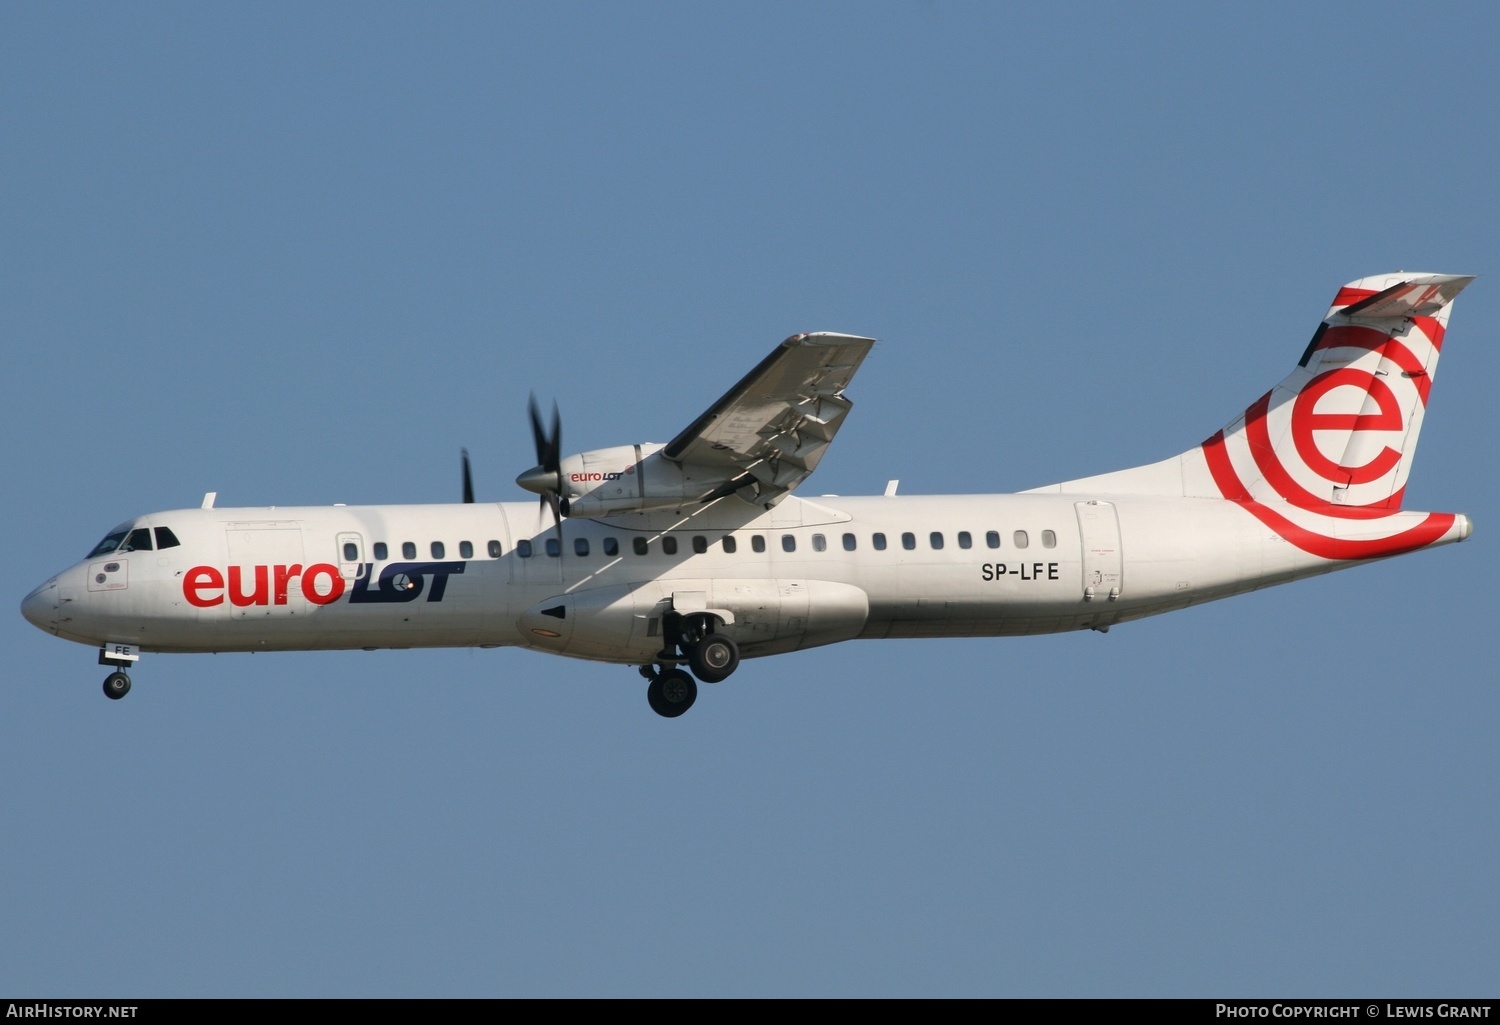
(545, 478)
(468, 479)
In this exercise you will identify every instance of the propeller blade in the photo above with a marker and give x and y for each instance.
(538, 432)
(556, 519)
(554, 451)
(468, 479)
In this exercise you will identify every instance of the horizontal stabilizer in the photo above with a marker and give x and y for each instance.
(1415, 295)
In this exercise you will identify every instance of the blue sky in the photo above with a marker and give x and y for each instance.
(301, 254)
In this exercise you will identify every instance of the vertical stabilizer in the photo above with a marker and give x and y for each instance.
(1342, 428)
(1322, 459)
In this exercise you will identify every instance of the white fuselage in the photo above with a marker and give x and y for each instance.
(801, 574)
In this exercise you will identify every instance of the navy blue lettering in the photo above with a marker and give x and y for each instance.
(403, 582)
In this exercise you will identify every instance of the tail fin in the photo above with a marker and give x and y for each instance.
(1338, 435)
(1342, 429)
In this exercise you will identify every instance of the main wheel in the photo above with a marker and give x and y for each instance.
(714, 658)
(672, 693)
(116, 686)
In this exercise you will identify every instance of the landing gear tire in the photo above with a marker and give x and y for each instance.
(116, 686)
(672, 693)
(714, 658)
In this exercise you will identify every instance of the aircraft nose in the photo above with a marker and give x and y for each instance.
(40, 606)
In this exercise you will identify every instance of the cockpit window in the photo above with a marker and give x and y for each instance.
(138, 541)
(165, 538)
(109, 544)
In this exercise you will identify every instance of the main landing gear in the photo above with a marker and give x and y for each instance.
(712, 657)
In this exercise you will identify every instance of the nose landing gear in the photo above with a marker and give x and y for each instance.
(118, 657)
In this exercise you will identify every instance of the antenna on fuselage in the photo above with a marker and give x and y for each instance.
(208, 499)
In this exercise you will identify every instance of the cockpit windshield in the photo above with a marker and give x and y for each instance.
(138, 540)
(110, 543)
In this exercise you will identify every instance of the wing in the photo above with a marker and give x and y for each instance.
(768, 432)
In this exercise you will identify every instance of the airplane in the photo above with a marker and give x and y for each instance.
(696, 553)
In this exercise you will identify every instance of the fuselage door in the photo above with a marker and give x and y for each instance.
(351, 556)
(1103, 563)
(265, 566)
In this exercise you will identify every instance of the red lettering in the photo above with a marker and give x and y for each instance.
(200, 579)
(284, 575)
(237, 596)
(310, 589)
(1305, 420)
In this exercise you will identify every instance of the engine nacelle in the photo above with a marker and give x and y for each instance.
(630, 478)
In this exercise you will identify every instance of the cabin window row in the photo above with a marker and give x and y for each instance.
(437, 549)
(936, 540)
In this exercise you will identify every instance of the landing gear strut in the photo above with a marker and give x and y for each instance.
(116, 685)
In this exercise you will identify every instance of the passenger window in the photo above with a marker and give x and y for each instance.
(523, 548)
(351, 551)
(965, 540)
(580, 546)
(849, 542)
(495, 550)
(700, 544)
(757, 543)
(611, 547)
(788, 543)
(992, 539)
(554, 547)
(820, 543)
(466, 549)
(438, 550)
(408, 549)
(878, 542)
(730, 544)
(138, 541)
(1049, 539)
(936, 537)
(1021, 539)
(909, 541)
(639, 545)
(669, 545)
(380, 551)
(165, 538)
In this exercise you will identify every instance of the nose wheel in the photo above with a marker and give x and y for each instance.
(116, 686)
